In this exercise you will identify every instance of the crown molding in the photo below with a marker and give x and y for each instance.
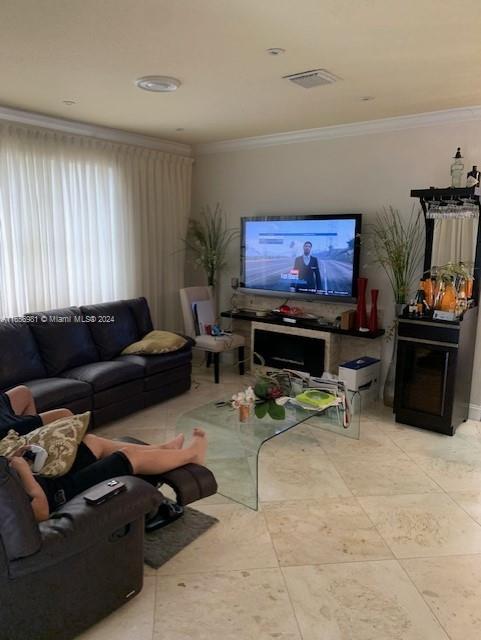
(399, 123)
(104, 133)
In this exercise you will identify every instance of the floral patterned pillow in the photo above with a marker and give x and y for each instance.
(60, 439)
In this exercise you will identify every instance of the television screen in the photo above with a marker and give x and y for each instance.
(311, 256)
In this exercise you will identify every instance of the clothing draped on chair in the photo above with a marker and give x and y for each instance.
(213, 345)
(84, 220)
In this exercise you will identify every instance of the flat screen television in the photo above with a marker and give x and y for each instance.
(313, 257)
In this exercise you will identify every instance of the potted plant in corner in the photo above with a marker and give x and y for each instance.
(208, 237)
(398, 247)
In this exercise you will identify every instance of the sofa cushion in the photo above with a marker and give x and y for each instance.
(141, 312)
(156, 342)
(104, 375)
(20, 358)
(113, 329)
(53, 393)
(153, 364)
(64, 340)
(119, 394)
(60, 439)
(165, 378)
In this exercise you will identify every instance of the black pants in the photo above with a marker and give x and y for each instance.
(86, 471)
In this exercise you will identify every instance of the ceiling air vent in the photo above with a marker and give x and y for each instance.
(313, 78)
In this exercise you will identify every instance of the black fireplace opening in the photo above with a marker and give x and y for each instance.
(289, 351)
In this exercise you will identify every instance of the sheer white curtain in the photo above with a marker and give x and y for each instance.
(454, 241)
(158, 192)
(84, 220)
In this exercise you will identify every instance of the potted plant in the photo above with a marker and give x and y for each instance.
(398, 247)
(208, 237)
(269, 391)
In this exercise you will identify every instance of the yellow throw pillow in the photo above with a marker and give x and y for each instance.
(60, 439)
(155, 342)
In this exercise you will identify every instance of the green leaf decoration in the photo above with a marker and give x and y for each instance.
(261, 410)
(208, 237)
(261, 388)
(275, 410)
(398, 247)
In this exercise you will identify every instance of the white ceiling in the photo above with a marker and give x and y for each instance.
(413, 55)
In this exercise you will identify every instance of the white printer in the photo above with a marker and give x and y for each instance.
(362, 375)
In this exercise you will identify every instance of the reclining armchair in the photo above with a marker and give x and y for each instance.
(61, 576)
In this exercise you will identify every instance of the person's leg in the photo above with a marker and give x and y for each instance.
(151, 462)
(147, 459)
(22, 401)
(175, 443)
(102, 447)
(54, 414)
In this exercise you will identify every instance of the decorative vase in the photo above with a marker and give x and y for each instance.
(449, 299)
(373, 321)
(428, 287)
(390, 381)
(361, 313)
(244, 411)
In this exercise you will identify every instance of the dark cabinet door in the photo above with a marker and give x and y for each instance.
(425, 377)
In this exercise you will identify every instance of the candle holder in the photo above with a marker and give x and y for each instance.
(373, 319)
(361, 313)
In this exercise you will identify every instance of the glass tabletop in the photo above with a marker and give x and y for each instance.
(234, 446)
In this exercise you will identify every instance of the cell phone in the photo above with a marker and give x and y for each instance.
(104, 492)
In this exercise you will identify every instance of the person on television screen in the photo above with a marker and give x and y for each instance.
(308, 269)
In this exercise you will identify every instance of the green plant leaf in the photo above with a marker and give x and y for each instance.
(260, 410)
(276, 412)
(261, 388)
(398, 248)
(208, 238)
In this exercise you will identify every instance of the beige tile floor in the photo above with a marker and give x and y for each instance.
(376, 539)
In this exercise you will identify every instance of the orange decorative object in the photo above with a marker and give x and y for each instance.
(449, 299)
(244, 411)
(428, 287)
(469, 288)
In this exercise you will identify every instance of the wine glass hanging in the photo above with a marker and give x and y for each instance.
(452, 209)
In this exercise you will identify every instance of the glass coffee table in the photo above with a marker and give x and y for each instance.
(234, 446)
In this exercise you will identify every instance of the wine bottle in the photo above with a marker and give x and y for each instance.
(457, 169)
(473, 177)
(462, 299)
(420, 300)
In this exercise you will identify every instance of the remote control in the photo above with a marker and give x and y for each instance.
(37, 456)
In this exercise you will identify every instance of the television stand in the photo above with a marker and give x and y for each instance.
(314, 324)
(339, 345)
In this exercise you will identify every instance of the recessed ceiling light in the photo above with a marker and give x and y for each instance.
(367, 98)
(275, 51)
(161, 84)
(69, 103)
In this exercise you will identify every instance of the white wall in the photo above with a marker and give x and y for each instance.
(354, 174)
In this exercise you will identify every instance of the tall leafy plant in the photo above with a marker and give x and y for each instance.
(208, 237)
(398, 247)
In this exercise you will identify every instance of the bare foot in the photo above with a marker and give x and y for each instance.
(199, 444)
(176, 443)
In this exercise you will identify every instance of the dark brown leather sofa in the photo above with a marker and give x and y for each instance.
(62, 576)
(71, 358)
